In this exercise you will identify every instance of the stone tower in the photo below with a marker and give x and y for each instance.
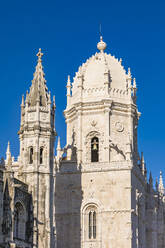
(102, 160)
(37, 136)
(102, 103)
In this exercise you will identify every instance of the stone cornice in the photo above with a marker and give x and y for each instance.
(101, 105)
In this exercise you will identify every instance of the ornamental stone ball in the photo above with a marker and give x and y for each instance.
(101, 45)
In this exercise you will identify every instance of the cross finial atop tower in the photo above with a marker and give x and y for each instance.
(39, 55)
(100, 32)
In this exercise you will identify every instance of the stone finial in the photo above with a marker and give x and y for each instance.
(68, 81)
(143, 164)
(134, 88)
(8, 154)
(161, 186)
(101, 45)
(49, 98)
(68, 86)
(59, 144)
(129, 73)
(39, 55)
(58, 149)
(129, 80)
(151, 180)
(27, 97)
(8, 149)
(156, 185)
(54, 102)
(22, 103)
(134, 83)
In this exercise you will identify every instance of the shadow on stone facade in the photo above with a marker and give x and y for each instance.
(68, 200)
(17, 223)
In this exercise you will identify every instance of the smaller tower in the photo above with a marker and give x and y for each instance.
(37, 135)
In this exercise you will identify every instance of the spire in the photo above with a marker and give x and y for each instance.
(68, 86)
(8, 154)
(22, 103)
(156, 185)
(134, 88)
(143, 164)
(129, 73)
(129, 80)
(8, 149)
(59, 144)
(129, 77)
(151, 180)
(38, 89)
(101, 45)
(134, 83)
(161, 186)
(58, 149)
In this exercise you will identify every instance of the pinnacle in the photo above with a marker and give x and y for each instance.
(38, 90)
(161, 186)
(8, 148)
(58, 144)
(68, 81)
(101, 45)
(39, 55)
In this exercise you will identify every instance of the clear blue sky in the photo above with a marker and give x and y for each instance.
(67, 32)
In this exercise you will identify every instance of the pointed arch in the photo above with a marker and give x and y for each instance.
(94, 149)
(19, 221)
(31, 151)
(41, 154)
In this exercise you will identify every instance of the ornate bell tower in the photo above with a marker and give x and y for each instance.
(37, 135)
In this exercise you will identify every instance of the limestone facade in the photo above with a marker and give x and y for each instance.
(94, 193)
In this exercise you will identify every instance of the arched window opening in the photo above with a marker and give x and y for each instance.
(95, 149)
(31, 155)
(19, 221)
(92, 225)
(41, 155)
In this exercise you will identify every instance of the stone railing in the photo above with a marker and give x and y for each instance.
(112, 92)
